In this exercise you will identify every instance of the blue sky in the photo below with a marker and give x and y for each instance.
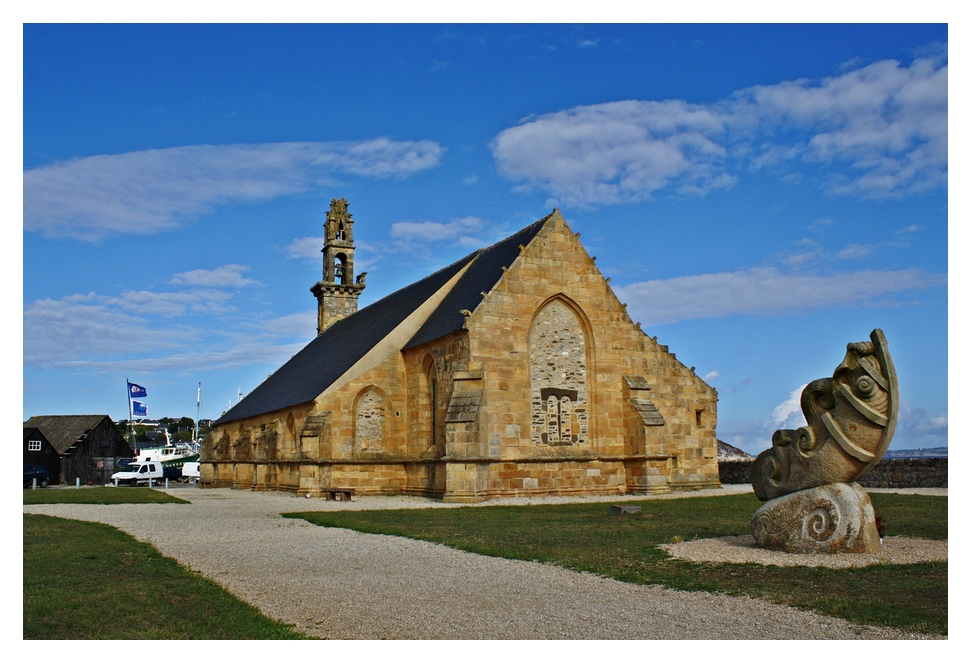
(760, 195)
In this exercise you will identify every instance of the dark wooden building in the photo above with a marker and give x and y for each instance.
(39, 451)
(87, 446)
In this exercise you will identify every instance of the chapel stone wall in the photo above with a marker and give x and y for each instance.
(517, 338)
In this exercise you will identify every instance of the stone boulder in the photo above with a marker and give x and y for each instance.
(827, 519)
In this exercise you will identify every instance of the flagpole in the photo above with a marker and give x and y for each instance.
(131, 428)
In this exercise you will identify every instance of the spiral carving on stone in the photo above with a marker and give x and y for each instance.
(865, 386)
(822, 521)
(807, 440)
(761, 526)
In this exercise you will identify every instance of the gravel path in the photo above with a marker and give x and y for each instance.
(742, 550)
(340, 584)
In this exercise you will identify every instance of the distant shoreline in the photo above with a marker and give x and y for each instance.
(935, 452)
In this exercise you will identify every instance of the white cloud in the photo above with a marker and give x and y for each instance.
(764, 291)
(616, 152)
(296, 324)
(65, 329)
(134, 331)
(226, 276)
(154, 190)
(788, 414)
(879, 131)
(853, 251)
(457, 231)
(244, 353)
(885, 121)
(169, 304)
(708, 377)
(802, 260)
(303, 248)
(821, 223)
(916, 428)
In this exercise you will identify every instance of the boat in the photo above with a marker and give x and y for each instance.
(170, 455)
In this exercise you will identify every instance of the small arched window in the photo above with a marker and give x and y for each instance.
(291, 434)
(340, 269)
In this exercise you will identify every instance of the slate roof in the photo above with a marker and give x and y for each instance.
(309, 372)
(482, 276)
(63, 430)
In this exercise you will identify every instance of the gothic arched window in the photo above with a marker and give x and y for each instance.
(558, 370)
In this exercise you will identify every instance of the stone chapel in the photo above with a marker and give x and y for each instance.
(513, 371)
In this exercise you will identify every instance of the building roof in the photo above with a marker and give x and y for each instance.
(481, 277)
(326, 358)
(63, 430)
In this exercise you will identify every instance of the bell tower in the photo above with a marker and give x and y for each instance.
(338, 291)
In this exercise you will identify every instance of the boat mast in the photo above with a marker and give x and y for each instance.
(195, 435)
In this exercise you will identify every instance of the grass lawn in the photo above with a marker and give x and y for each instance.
(88, 581)
(98, 495)
(583, 537)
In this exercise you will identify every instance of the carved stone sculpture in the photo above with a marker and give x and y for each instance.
(828, 519)
(850, 422)
(808, 474)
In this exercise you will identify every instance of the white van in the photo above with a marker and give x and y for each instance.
(135, 473)
(190, 472)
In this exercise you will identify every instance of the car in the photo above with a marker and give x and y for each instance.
(172, 473)
(190, 471)
(38, 472)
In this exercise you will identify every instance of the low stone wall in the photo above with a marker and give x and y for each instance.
(889, 473)
(907, 473)
(735, 471)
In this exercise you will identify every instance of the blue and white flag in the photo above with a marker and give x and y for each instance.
(136, 391)
(139, 409)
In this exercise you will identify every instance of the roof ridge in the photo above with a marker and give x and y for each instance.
(460, 261)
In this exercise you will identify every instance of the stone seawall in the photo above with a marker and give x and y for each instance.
(889, 473)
